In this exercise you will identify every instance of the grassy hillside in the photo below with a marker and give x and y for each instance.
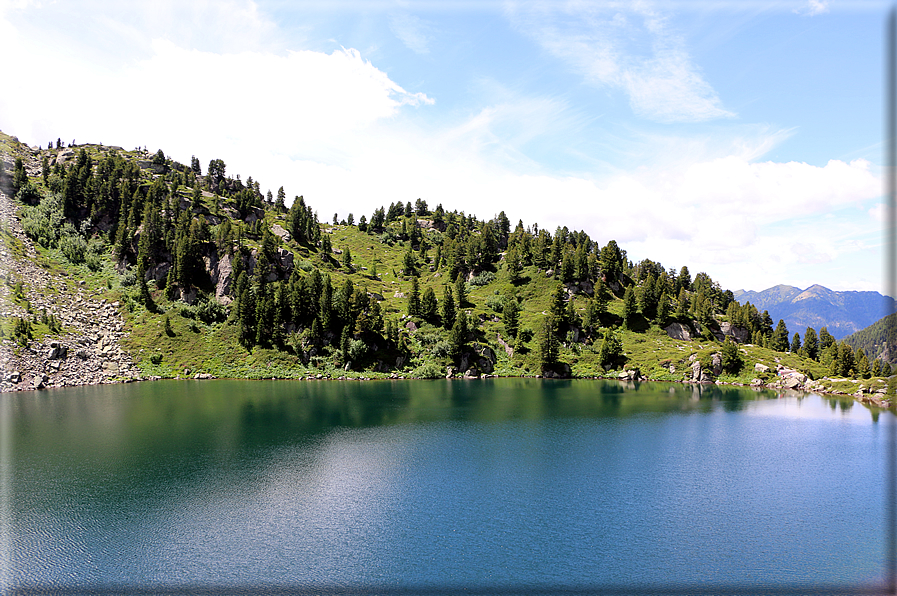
(215, 277)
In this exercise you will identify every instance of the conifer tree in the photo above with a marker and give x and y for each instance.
(795, 343)
(663, 310)
(780, 337)
(414, 298)
(629, 307)
(510, 315)
(558, 307)
(458, 335)
(448, 308)
(825, 338)
(428, 305)
(811, 344)
(610, 354)
(461, 291)
(862, 364)
(549, 347)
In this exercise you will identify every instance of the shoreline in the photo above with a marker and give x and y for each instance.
(38, 383)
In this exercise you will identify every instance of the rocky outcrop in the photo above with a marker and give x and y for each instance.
(281, 233)
(739, 334)
(678, 331)
(88, 351)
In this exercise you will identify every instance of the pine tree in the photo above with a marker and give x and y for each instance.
(795, 343)
(344, 343)
(458, 335)
(629, 307)
(825, 338)
(811, 344)
(557, 311)
(448, 308)
(461, 291)
(414, 299)
(428, 306)
(780, 337)
(862, 364)
(663, 310)
(610, 354)
(510, 315)
(549, 346)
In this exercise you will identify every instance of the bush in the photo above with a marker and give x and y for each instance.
(427, 370)
(442, 349)
(211, 311)
(483, 279)
(357, 350)
(74, 248)
(496, 303)
(43, 222)
(128, 279)
(28, 194)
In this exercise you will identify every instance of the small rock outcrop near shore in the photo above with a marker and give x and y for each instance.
(88, 350)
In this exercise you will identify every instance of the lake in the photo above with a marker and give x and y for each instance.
(494, 486)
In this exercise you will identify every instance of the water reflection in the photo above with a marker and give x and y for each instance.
(446, 481)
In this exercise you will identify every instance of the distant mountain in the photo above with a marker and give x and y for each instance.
(843, 313)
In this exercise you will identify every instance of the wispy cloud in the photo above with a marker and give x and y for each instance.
(412, 32)
(813, 8)
(628, 47)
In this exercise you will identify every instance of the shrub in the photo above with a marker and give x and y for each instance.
(210, 311)
(442, 349)
(74, 248)
(357, 350)
(496, 303)
(43, 222)
(427, 370)
(483, 279)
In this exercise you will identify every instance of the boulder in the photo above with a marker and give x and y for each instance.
(761, 368)
(281, 233)
(739, 334)
(678, 331)
(717, 363)
(286, 258)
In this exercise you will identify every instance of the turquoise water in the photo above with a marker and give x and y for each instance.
(503, 484)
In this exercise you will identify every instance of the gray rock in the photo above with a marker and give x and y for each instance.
(717, 363)
(281, 233)
(761, 368)
(678, 331)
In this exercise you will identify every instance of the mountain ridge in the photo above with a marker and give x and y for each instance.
(841, 312)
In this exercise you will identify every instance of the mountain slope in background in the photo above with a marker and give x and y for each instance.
(879, 340)
(843, 313)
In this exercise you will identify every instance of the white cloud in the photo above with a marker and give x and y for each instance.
(813, 8)
(412, 31)
(334, 127)
(648, 62)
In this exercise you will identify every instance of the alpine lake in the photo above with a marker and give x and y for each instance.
(498, 486)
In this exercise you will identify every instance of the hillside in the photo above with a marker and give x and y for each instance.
(124, 265)
(878, 340)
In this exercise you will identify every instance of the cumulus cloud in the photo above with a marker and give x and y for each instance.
(630, 48)
(335, 128)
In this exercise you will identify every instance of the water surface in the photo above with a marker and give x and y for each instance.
(442, 485)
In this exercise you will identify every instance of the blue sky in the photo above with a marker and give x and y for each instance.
(738, 138)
